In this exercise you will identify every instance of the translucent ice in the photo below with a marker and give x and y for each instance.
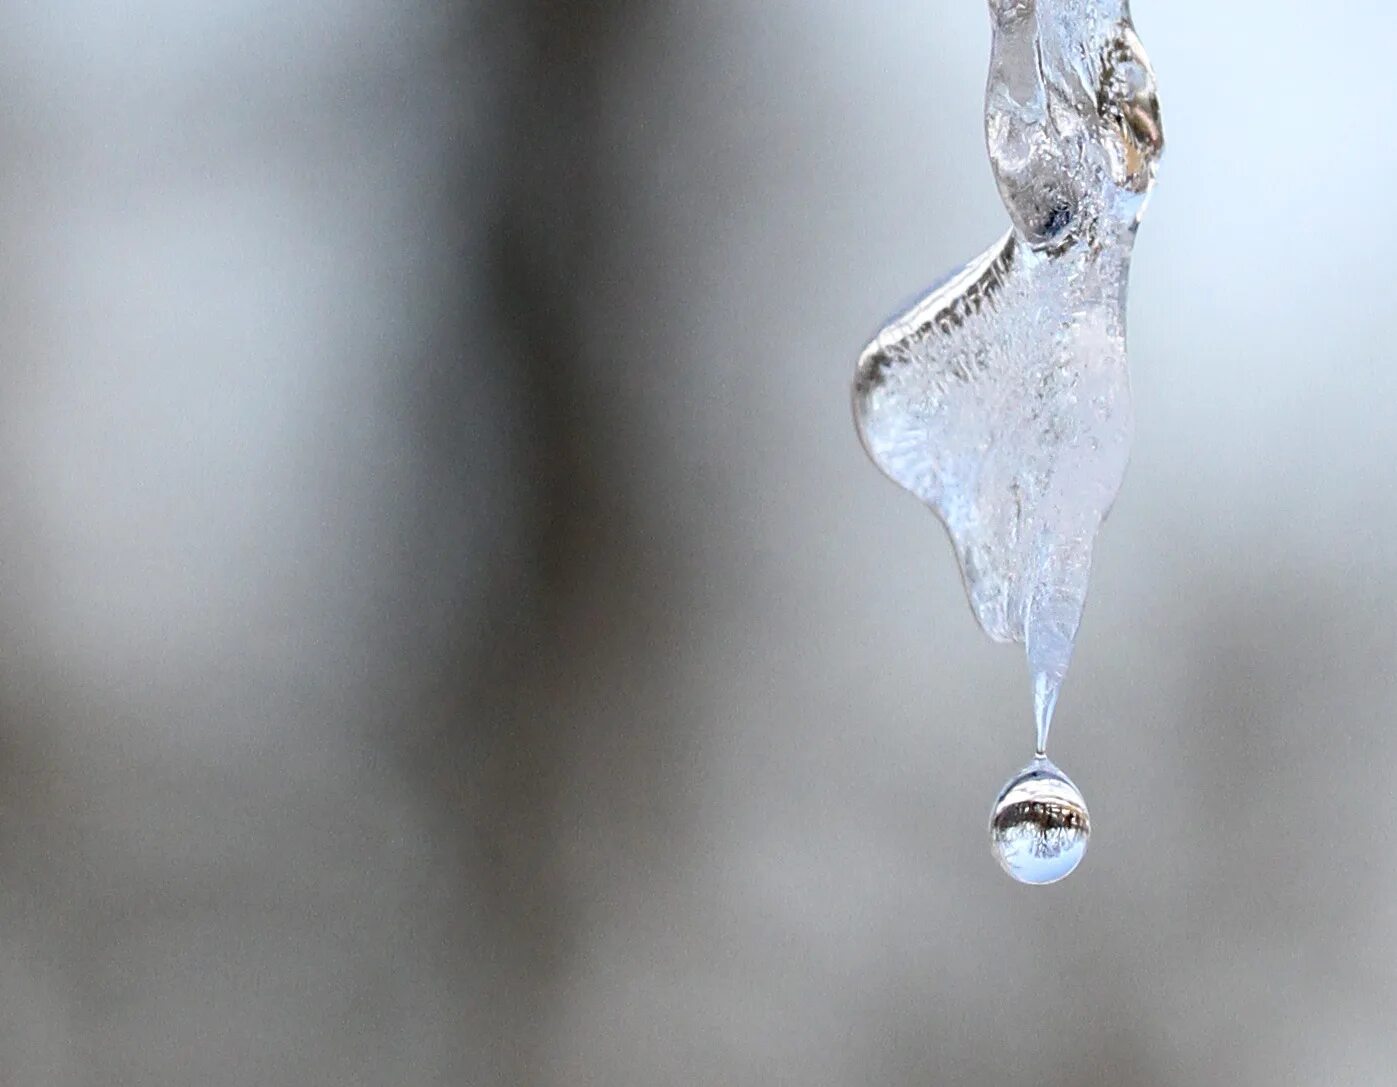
(1001, 399)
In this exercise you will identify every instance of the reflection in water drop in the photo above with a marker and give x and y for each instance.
(1039, 826)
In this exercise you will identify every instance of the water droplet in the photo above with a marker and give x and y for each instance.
(1039, 826)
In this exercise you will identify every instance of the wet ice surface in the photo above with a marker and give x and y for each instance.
(1002, 398)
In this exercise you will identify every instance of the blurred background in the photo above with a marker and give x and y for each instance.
(450, 634)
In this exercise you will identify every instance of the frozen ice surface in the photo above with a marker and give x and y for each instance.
(1002, 398)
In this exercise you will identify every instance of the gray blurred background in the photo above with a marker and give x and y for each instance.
(449, 633)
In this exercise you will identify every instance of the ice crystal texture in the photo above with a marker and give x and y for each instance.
(1002, 399)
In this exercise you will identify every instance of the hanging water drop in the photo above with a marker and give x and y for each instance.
(1039, 826)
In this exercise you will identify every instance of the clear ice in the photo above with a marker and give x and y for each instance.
(1002, 399)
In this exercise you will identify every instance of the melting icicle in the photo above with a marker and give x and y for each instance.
(1002, 399)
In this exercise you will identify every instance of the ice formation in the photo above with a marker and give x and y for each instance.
(1002, 399)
